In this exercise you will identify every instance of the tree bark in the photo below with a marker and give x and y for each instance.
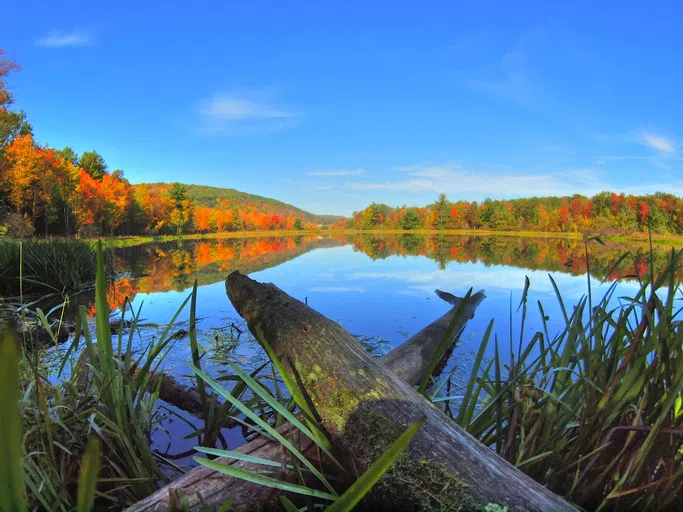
(355, 396)
(204, 486)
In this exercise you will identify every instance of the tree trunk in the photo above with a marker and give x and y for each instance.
(362, 404)
(214, 488)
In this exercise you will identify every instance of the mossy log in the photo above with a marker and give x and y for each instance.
(205, 487)
(352, 392)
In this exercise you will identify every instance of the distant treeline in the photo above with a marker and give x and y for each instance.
(605, 213)
(50, 191)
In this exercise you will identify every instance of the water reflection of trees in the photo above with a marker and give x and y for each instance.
(175, 265)
(549, 254)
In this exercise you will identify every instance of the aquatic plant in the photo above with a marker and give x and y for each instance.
(65, 399)
(594, 412)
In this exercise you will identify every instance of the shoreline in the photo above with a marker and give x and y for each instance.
(130, 241)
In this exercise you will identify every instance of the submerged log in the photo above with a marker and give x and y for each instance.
(205, 487)
(360, 402)
(185, 398)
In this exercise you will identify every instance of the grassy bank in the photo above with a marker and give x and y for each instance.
(35, 265)
(670, 240)
(129, 241)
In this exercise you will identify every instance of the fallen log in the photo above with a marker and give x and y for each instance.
(185, 398)
(205, 487)
(360, 401)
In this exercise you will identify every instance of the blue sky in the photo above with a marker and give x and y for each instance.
(331, 105)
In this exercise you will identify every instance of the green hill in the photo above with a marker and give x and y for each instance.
(203, 195)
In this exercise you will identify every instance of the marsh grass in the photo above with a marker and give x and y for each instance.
(102, 395)
(595, 412)
(52, 266)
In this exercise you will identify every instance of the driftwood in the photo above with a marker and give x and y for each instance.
(215, 488)
(409, 361)
(360, 401)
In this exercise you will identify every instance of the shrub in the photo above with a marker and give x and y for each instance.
(17, 226)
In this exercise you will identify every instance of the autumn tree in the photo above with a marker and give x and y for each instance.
(12, 124)
(69, 155)
(181, 216)
(441, 209)
(32, 179)
(410, 220)
(93, 163)
(155, 208)
(89, 204)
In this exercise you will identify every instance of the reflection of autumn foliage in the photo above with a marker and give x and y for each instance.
(118, 291)
(174, 266)
(550, 254)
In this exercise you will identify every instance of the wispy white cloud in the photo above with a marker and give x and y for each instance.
(231, 108)
(356, 172)
(337, 289)
(65, 39)
(493, 278)
(659, 142)
(244, 114)
(453, 179)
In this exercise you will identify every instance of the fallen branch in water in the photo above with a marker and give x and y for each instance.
(361, 402)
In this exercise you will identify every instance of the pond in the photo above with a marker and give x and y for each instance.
(379, 287)
(376, 286)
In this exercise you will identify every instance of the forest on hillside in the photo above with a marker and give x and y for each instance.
(605, 213)
(53, 191)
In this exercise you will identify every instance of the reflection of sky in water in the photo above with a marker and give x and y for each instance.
(389, 298)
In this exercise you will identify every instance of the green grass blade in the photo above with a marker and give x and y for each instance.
(264, 425)
(13, 492)
(87, 479)
(239, 456)
(279, 408)
(259, 479)
(288, 505)
(293, 388)
(462, 419)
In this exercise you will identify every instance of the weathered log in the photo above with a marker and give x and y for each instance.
(360, 401)
(206, 487)
(37, 337)
(411, 360)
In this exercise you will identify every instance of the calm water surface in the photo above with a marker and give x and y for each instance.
(375, 286)
(380, 288)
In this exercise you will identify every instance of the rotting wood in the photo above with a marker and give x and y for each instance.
(215, 488)
(349, 390)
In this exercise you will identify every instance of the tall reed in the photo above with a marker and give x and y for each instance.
(48, 265)
(595, 412)
(103, 395)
